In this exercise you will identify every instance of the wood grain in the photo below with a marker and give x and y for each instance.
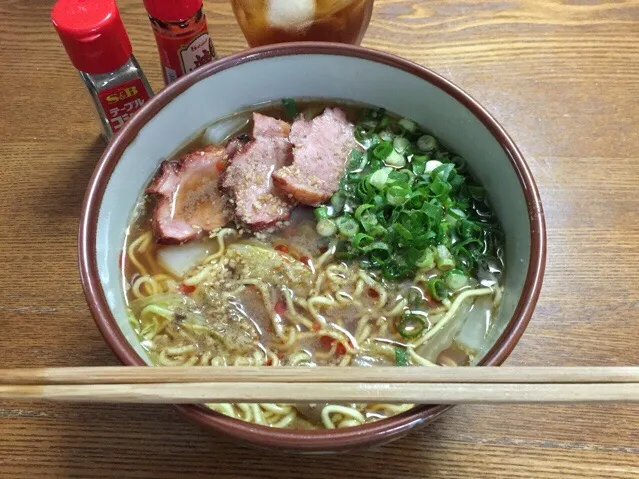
(328, 374)
(562, 76)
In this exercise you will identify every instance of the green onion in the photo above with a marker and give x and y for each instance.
(418, 163)
(464, 257)
(347, 226)
(408, 125)
(379, 178)
(437, 289)
(443, 172)
(384, 122)
(432, 210)
(361, 209)
(326, 227)
(395, 159)
(444, 258)
(361, 241)
(403, 231)
(427, 260)
(432, 165)
(401, 144)
(368, 125)
(401, 356)
(439, 188)
(426, 143)
(379, 252)
(396, 195)
(386, 135)
(455, 279)
(411, 325)
(356, 161)
(404, 205)
(457, 213)
(365, 138)
(382, 150)
(469, 230)
(321, 212)
(371, 225)
(290, 107)
(337, 201)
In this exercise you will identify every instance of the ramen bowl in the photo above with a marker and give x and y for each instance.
(325, 71)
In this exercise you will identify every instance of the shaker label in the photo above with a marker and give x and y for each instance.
(121, 102)
(180, 56)
(197, 53)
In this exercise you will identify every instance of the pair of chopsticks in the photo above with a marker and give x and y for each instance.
(413, 385)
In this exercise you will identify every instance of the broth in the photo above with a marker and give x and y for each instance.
(291, 296)
(343, 21)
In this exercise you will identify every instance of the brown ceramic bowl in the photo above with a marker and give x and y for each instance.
(317, 70)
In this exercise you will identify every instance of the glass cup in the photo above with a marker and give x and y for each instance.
(264, 22)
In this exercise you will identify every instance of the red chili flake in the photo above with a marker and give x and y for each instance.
(186, 288)
(323, 249)
(280, 355)
(326, 342)
(317, 326)
(280, 307)
(282, 248)
(220, 166)
(306, 260)
(373, 293)
(340, 349)
(269, 362)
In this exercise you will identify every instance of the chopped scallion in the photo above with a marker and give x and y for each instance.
(395, 159)
(401, 144)
(401, 356)
(380, 177)
(290, 107)
(408, 125)
(444, 258)
(411, 325)
(326, 227)
(347, 226)
(437, 289)
(426, 143)
(382, 150)
(455, 279)
(407, 203)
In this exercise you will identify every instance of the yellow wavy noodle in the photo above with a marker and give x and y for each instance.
(186, 342)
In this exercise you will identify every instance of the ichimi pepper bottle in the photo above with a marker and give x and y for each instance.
(181, 34)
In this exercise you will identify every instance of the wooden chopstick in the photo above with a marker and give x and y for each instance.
(288, 374)
(418, 385)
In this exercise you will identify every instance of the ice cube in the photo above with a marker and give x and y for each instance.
(290, 14)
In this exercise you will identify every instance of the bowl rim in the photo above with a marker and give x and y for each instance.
(301, 440)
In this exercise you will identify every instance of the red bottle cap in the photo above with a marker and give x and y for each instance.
(172, 10)
(92, 33)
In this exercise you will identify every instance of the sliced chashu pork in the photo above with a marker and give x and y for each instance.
(248, 177)
(321, 148)
(188, 200)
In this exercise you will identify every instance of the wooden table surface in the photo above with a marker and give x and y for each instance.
(562, 76)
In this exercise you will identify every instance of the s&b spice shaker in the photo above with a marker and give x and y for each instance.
(94, 37)
(181, 34)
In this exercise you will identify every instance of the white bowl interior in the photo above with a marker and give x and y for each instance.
(315, 76)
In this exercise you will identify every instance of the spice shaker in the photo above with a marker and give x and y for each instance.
(94, 37)
(181, 34)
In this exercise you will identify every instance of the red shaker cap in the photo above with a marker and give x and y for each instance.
(172, 10)
(92, 33)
